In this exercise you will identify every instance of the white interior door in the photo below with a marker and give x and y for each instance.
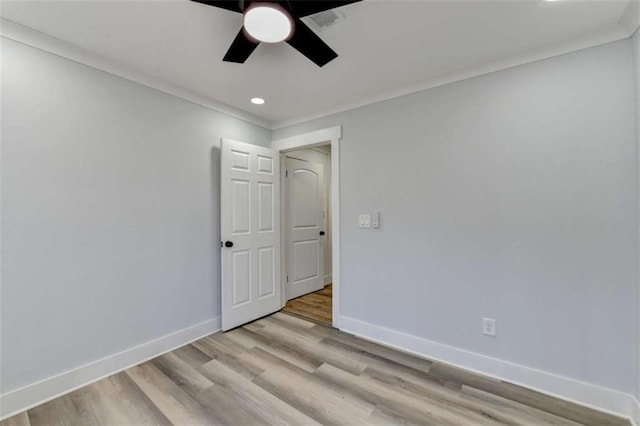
(305, 227)
(250, 232)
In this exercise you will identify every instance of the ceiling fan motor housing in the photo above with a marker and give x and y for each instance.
(275, 22)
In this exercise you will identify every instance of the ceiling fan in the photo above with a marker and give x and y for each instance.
(276, 21)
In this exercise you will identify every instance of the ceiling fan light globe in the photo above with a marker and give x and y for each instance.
(268, 23)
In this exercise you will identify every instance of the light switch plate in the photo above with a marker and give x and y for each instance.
(364, 221)
(375, 220)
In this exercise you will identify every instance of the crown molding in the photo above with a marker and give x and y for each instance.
(627, 25)
(605, 35)
(25, 35)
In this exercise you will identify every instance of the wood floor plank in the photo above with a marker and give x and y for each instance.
(303, 312)
(117, 400)
(192, 356)
(529, 397)
(270, 363)
(413, 407)
(294, 321)
(313, 307)
(320, 331)
(228, 407)
(419, 384)
(267, 406)
(21, 419)
(227, 355)
(302, 332)
(182, 374)
(95, 404)
(504, 412)
(287, 370)
(58, 412)
(174, 402)
(316, 298)
(390, 354)
(309, 395)
(287, 353)
(522, 414)
(326, 291)
(317, 306)
(260, 359)
(312, 302)
(114, 400)
(383, 416)
(379, 361)
(307, 346)
(223, 339)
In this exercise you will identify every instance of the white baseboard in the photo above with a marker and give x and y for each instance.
(587, 394)
(19, 400)
(328, 279)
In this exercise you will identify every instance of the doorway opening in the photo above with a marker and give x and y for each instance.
(306, 206)
(330, 136)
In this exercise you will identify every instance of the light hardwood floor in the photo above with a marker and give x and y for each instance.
(316, 306)
(285, 370)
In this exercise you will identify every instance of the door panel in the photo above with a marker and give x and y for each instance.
(249, 219)
(305, 260)
(266, 268)
(241, 205)
(240, 160)
(265, 164)
(241, 260)
(305, 219)
(305, 203)
(266, 206)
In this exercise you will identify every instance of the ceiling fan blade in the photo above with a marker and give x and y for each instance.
(233, 5)
(302, 8)
(240, 49)
(310, 45)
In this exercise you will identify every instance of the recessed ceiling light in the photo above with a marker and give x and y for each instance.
(257, 101)
(268, 23)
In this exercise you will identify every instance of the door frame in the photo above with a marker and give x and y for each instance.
(330, 135)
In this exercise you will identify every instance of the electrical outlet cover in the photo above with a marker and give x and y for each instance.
(489, 326)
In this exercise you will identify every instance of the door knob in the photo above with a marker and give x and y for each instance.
(321, 232)
(228, 244)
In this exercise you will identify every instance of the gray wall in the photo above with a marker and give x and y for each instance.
(110, 200)
(511, 196)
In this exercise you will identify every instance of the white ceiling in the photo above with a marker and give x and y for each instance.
(383, 45)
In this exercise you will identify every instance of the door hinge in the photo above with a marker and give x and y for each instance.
(220, 243)
(287, 278)
(286, 173)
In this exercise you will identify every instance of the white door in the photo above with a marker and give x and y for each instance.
(305, 227)
(250, 232)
